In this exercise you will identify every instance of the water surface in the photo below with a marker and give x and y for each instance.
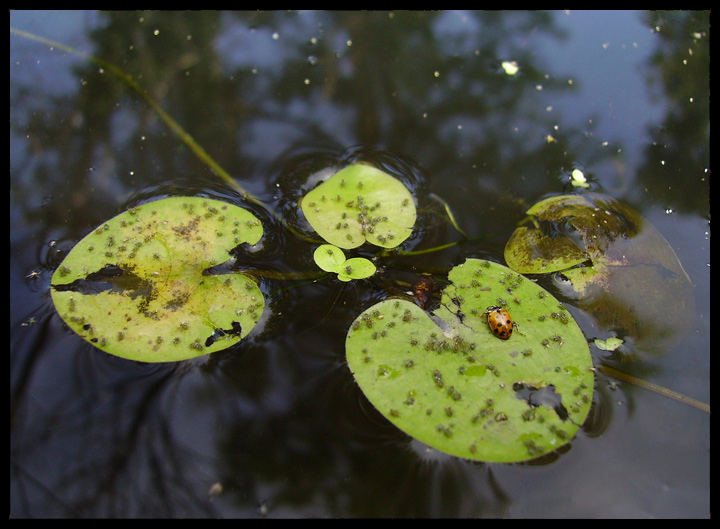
(275, 426)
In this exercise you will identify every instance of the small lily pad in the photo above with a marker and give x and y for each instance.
(135, 287)
(332, 259)
(447, 381)
(356, 268)
(329, 257)
(361, 203)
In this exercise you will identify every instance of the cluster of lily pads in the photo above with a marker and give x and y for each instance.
(146, 286)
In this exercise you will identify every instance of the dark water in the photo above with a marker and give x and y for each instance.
(277, 420)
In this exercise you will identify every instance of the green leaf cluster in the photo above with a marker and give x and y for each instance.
(332, 259)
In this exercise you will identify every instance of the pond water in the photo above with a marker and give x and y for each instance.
(276, 426)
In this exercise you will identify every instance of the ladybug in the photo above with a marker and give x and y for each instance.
(500, 322)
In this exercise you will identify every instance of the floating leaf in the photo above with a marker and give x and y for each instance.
(135, 286)
(609, 344)
(607, 258)
(360, 203)
(447, 381)
(332, 259)
(577, 179)
(510, 67)
(329, 257)
(356, 268)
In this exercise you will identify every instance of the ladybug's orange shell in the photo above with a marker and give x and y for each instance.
(500, 323)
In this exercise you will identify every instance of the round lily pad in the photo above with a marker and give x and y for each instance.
(360, 203)
(135, 287)
(447, 381)
(329, 257)
(356, 268)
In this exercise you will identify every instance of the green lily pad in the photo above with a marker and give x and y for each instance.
(332, 259)
(360, 203)
(610, 260)
(329, 257)
(135, 288)
(446, 380)
(356, 268)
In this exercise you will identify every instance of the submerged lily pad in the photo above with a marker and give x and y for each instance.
(610, 260)
(446, 380)
(135, 287)
(361, 203)
(609, 344)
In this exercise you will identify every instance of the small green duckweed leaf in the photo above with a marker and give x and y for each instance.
(329, 257)
(358, 268)
(578, 179)
(135, 288)
(447, 381)
(361, 203)
(610, 344)
(510, 67)
(332, 259)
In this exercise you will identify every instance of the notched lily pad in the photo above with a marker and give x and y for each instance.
(446, 380)
(135, 287)
(607, 258)
(361, 203)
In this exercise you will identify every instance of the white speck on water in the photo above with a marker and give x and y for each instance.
(510, 67)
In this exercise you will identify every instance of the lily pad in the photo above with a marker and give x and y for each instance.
(447, 381)
(135, 287)
(332, 259)
(361, 203)
(610, 260)
(329, 257)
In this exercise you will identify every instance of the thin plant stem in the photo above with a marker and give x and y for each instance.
(610, 371)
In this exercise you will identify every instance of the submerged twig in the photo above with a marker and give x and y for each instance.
(654, 387)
